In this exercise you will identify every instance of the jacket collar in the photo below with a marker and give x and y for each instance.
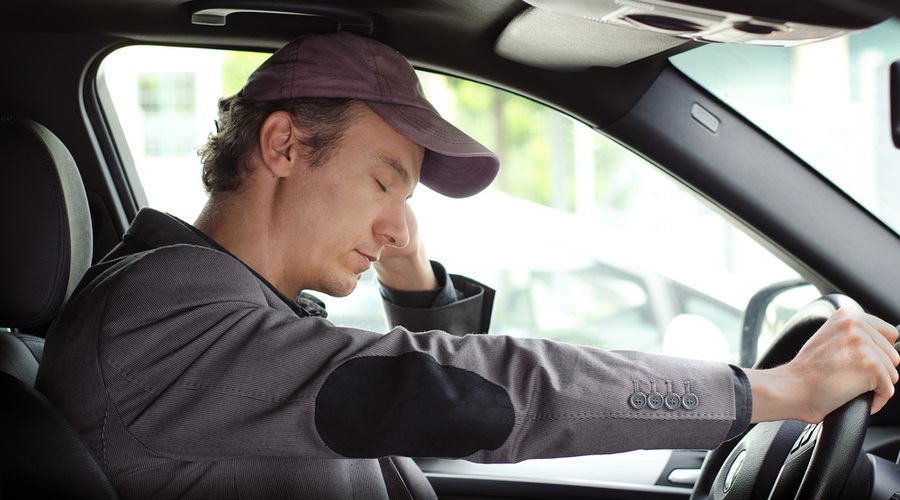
(152, 229)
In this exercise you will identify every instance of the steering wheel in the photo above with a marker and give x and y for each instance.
(790, 459)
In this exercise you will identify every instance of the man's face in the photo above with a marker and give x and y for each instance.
(337, 217)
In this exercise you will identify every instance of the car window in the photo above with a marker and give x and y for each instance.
(584, 241)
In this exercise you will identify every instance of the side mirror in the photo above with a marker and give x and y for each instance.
(895, 102)
(767, 311)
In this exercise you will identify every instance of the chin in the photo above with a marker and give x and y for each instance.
(339, 287)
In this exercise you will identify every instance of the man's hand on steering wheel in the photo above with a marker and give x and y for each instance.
(832, 379)
(852, 353)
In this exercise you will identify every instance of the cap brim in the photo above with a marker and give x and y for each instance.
(455, 165)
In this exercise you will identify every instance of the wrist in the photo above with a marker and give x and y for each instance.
(407, 273)
(777, 395)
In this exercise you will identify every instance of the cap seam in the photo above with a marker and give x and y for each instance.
(286, 78)
(373, 67)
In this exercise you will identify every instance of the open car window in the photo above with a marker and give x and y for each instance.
(584, 241)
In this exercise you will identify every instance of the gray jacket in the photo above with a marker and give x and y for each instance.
(190, 375)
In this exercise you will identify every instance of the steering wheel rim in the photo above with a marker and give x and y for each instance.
(836, 449)
(815, 462)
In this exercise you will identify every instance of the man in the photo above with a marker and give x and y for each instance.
(197, 374)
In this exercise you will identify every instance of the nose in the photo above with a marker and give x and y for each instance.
(392, 228)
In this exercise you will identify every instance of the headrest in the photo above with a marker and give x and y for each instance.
(45, 224)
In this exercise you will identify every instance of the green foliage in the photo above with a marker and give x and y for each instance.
(536, 145)
(236, 67)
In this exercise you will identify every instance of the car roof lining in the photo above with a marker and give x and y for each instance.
(480, 43)
(530, 39)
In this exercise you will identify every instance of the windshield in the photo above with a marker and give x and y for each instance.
(827, 102)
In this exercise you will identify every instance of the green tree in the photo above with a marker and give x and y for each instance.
(536, 146)
(236, 67)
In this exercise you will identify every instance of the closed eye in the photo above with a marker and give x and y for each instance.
(381, 186)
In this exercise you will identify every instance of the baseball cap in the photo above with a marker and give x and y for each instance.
(344, 65)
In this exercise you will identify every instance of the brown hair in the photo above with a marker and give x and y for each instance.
(226, 155)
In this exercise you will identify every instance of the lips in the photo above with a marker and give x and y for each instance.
(368, 257)
(368, 260)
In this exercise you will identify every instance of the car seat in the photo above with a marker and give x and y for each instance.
(46, 239)
(45, 248)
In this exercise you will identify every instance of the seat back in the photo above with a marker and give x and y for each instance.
(41, 453)
(45, 230)
(45, 224)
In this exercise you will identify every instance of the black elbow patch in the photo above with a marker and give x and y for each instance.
(410, 405)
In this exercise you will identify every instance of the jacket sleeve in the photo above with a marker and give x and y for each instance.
(462, 306)
(201, 360)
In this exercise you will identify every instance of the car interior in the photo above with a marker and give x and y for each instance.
(69, 188)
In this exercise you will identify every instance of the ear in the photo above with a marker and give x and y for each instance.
(276, 143)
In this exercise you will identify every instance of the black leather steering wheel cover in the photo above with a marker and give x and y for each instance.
(764, 449)
(837, 449)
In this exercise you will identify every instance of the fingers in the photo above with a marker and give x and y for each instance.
(878, 403)
(886, 377)
(852, 353)
(884, 335)
(407, 267)
(882, 397)
(877, 359)
(885, 330)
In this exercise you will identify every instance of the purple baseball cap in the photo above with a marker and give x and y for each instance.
(343, 65)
